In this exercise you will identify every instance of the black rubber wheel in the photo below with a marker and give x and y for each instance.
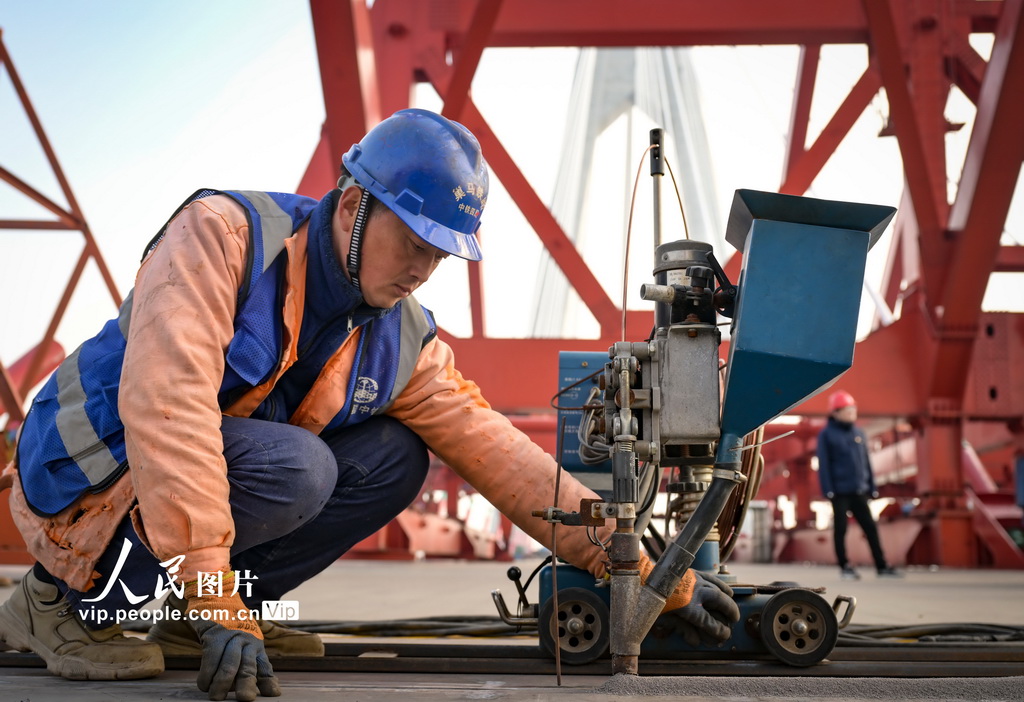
(798, 627)
(580, 626)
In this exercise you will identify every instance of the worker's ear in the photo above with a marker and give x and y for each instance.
(348, 205)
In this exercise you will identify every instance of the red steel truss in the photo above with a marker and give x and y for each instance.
(16, 381)
(943, 368)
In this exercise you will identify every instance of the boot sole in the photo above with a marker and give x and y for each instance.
(13, 632)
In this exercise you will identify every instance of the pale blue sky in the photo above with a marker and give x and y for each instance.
(144, 102)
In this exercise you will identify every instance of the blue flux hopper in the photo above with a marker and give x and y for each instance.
(796, 316)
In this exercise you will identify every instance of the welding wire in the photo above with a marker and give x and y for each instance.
(682, 210)
(629, 234)
(554, 603)
(554, 557)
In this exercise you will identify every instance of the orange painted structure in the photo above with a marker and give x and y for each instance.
(943, 373)
(18, 379)
(944, 370)
(37, 366)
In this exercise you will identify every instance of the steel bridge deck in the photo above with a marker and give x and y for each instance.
(975, 660)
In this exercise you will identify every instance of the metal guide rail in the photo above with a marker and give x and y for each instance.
(910, 660)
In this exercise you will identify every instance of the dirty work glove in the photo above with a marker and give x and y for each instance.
(701, 604)
(233, 655)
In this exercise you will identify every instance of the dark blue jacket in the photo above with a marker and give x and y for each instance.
(843, 464)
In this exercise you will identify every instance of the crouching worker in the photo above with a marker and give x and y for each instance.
(264, 401)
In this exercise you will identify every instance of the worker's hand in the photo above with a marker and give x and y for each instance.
(233, 655)
(702, 604)
(711, 612)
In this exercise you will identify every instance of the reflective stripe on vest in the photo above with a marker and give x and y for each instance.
(72, 440)
(82, 444)
(417, 329)
(375, 381)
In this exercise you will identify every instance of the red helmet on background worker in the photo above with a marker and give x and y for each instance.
(840, 399)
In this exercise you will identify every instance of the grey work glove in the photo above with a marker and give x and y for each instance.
(710, 614)
(234, 658)
(234, 661)
(702, 606)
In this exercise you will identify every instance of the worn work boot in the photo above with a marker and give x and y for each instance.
(37, 618)
(176, 637)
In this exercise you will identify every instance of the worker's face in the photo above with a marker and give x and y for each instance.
(394, 261)
(847, 414)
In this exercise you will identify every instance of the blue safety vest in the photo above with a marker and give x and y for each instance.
(72, 440)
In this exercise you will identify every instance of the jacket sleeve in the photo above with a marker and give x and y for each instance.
(499, 461)
(181, 323)
(824, 465)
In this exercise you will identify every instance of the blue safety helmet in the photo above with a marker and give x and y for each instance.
(429, 171)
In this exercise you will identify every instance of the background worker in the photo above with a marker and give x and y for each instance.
(847, 480)
(263, 402)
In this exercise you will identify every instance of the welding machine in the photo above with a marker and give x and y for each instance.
(668, 421)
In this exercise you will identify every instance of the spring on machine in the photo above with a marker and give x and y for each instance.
(690, 483)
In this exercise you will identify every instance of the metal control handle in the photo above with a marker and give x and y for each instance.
(851, 604)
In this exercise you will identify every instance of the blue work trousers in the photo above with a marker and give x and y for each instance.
(299, 501)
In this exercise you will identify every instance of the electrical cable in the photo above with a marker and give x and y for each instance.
(928, 634)
(526, 585)
(426, 627)
(853, 635)
(567, 388)
(592, 537)
(592, 449)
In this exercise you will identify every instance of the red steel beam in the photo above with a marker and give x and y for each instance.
(70, 218)
(1010, 259)
(922, 181)
(348, 73)
(918, 51)
(991, 169)
(550, 232)
(678, 22)
(967, 68)
(65, 220)
(803, 96)
(477, 38)
(456, 95)
(15, 377)
(35, 224)
(11, 400)
(536, 212)
(802, 170)
(398, 29)
(903, 265)
(978, 215)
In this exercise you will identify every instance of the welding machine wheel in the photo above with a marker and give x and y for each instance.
(580, 626)
(798, 627)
